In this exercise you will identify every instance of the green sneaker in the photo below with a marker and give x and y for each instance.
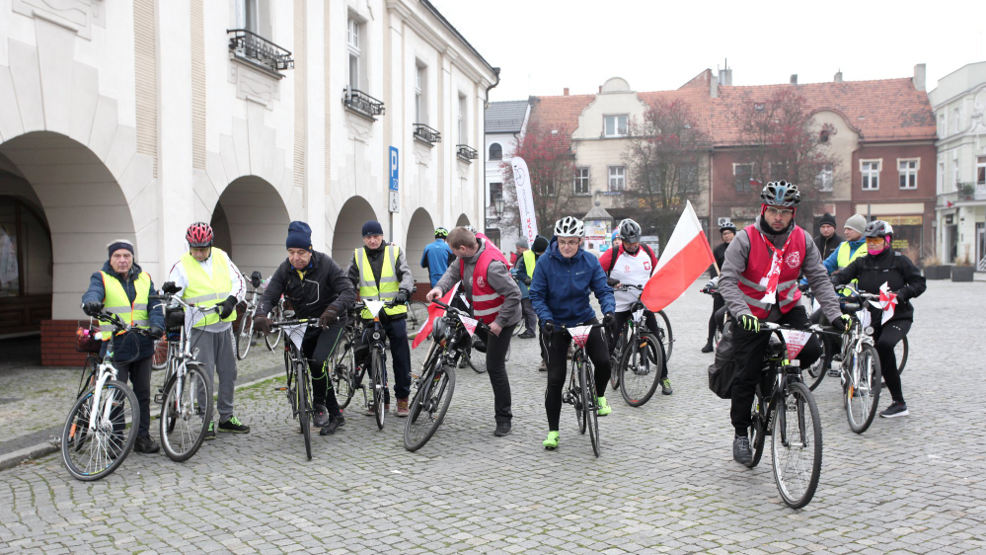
(604, 407)
(666, 387)
(551, 442)
(211, 432)
(234, 425)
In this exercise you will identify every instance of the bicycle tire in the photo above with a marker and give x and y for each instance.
(377, 370)
(245, 336)
(417, 314)
(343, 363)
(901, 350)
(641, 369)
(467, 355)
(429, 406)
(186, 413)
(814, 374)
(796, 482)
(668, 338)
(591, 407)
(304, 405)
(862, 389)
(758, 426)
(272, 339)
(159, 363)
(617, 354)
(94, 454)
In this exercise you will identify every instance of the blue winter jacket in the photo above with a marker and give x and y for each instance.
(560, 287)
(436, 259)
(832, 262)
(131, 346)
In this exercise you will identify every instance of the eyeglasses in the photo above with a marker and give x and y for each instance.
(569, 242)
(774, 211)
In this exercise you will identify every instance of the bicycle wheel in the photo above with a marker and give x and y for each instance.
(901, 350)
(272, 339)
(758, 426)
(417, 314)
(377, 370)
(641, 369)
(429, 405)
(159, 361)
(588, 380)
(796, 445)
(91, 453)
(185, 413)
(343, 364)
(245, 336)
(304, 404)
(664, 333)
(862, 389)
(618, 355)
(467, 357)
(815, 373)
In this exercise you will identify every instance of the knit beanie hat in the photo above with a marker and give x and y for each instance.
(117, 244)
(857, 222)
(299, 236)
(372, 227)
(522, 243)
(827, 219)
(540, 244)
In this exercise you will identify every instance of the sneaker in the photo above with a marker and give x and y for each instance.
(502, 428)
(666, 386)
(234, 425)
(708, 348)
(894, 410)
(210, 433)
(741, 451)
(145, 444)
(528, 334)
(333, 424)
(603, 407)
(551, 442)
(321, 416)
(402, 411)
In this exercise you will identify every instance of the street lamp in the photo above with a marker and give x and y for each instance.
(498, 204)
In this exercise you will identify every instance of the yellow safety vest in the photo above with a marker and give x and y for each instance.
(843, 259)
(116, 301)
(529, 262)
(389, 285)
(205, 291)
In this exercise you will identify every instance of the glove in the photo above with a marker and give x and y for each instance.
(902, 295)
(329, 317)
(227, 307)
(549, 327)
(845, 292)
(526, 280)
(170, 288)
(401, 297)
(262, 324)
(155, 332)
(612, 282)
(608, 319)
(92, 308)
(843, 323)
(750, 322)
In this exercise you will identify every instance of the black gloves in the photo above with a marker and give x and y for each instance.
(227, 307)
(843, 323)
(261, 323)
(170, 288)
(402, 297)
(612, 282)
(549, 327)
(155, 332)
(329, 317)
(92, 308)
(903, 294)
(608, 319)
(526, 280)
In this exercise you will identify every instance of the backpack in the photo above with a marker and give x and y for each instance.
(724, 366)
(612, 260)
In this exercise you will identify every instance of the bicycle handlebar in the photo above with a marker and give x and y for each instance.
(460, 312)
(120, 325)
(627, 286)
(295, 322)
(173, 297)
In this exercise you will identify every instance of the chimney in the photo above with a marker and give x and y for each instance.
(713, 86)
(919, 72)
(794, 78)
(566, 92)
(838, 76)
(726, 77)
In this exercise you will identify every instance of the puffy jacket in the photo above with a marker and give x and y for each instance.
(560, 287)
(323, 284)
(131, 346)
(900, 274)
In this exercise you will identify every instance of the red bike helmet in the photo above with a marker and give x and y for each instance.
(199, 234)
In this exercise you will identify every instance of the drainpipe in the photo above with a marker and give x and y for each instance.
(486, 103)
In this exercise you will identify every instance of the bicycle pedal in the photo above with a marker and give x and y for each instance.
(159, 398)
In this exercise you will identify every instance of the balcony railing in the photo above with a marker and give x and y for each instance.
(426, 134)
(966, 194)
(466, 153)
(254, 49)
(362, 103)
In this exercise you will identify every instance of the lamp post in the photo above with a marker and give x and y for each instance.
(498, 204)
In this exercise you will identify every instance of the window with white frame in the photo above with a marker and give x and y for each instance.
(907, 171)
(420, 93)
(870, 170)
(941, 125)
(955, 172)
(617, 178)
(615, 126)
(463, 132)
(581, 183)
(981, 171)
(248, 15)
(825, 178)
(742, 174)
(496, 152)
(354, 39)
(954, 120)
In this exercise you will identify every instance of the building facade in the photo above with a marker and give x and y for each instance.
(505, 123)
(134, 119)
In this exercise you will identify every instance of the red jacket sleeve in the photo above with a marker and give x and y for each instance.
(605, 260)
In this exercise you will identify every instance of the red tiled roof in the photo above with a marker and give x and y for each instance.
(559, 112)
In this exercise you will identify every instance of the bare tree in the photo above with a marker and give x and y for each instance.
(551, 165)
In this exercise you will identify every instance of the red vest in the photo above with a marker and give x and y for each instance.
(485, 300)
(753, 280)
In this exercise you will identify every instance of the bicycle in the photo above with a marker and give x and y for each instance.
(417, 315)
(245, 336)
(436, 383)
(342, 362)
(784, 409)
(272, 338)
(101, 428)
(712, 288)
(581, 392)
(374, 338)
(640, 357)
(297, 374)
(186, 397)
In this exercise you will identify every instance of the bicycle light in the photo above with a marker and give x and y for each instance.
(376, 336)
(868, 330)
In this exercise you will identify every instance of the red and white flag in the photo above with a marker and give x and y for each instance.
(434, 311)
(888, 302)
(685, 257)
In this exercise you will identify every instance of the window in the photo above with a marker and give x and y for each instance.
(617, 178)
(463, 135)
(955, 172)
(981, 171)
(496, 197)
(420, 93)
(956, 115)
(581, 184)
(615, 126)
(824, 179)
(353, 41)
(248, 15)
(907, 171)
(742, 176)
(496, 151)
(941, 125)
(870, 170)
(941, 177)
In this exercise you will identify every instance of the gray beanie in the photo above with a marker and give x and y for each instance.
(521, 243)
(857, 222)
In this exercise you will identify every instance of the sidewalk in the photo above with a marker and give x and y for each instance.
(34, 399)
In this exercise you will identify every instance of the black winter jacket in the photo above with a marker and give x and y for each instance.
(324, 284)
(897, 270)
(827, 246)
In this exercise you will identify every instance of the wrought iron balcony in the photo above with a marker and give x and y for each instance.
(362, 103)
(254, 49)
(427, 134)
(466, 152)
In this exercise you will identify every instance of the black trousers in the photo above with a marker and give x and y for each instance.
(620, 319)
(887, 336)
(714, 323)
(558, 341)
(750, 350)
(496, 367)
(317, 346)
(139, 374)
(832, 343)
(400, 352)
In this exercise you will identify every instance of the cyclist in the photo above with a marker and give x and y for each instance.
(522, 273)
(727, 230)
(316, 287)
(437, 256)
(882, 265)
(208, 278)
(123, 288)
(379, 269)
(632, 263)
(560, 295)
(759, 281)
(827, 239)
(495, 298)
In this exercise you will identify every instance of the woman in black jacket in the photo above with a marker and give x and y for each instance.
(882, 265)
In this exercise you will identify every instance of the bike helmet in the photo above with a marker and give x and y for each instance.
(727, 226)
(780, 193)
(441, 232)
(878, 228)
(199, 234)
(569, 226)
(630, 231)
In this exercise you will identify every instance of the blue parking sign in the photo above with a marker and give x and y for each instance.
(393, 168)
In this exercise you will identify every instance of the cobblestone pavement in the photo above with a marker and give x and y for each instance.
(665, 481)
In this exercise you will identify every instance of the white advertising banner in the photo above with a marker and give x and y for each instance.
(525, 199)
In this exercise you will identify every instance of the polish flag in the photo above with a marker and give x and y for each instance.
(434, 311)
(685, 257)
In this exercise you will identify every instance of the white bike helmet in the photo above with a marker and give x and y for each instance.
(569, 226)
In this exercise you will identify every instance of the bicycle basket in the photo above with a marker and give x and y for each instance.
(86, 341)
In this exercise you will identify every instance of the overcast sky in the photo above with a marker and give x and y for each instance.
(543, 46)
